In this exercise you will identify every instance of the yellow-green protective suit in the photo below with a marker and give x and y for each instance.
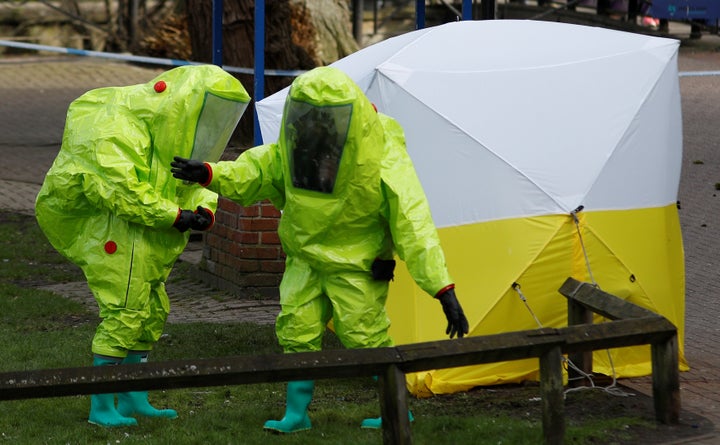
(333, 234)
(109, 201)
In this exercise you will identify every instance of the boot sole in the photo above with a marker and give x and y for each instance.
(279, 432)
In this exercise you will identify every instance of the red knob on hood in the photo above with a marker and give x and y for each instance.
(160, 86)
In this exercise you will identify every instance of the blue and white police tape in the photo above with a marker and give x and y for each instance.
(231, 69)
(139, 59)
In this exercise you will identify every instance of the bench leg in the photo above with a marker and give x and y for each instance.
(666, 381)
(394, 407)
(553, 401)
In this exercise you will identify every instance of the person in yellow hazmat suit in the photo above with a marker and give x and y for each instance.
(350, 201)
(110, 204)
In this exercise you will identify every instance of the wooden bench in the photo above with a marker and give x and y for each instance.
(631, 325)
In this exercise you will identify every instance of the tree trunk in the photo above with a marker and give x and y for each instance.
(299, 35)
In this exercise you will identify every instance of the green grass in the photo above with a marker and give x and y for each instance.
(41, 330)
(27, 256)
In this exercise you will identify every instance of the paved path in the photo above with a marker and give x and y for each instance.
(700, 221)
(35, 93)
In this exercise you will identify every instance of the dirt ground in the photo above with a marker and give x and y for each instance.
(634, 412)
(605, 401)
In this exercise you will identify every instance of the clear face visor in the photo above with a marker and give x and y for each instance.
(315, 138)
(218, 119)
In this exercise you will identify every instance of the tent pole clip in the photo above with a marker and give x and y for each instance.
(575, 212)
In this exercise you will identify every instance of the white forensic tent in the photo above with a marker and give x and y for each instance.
(546, 150)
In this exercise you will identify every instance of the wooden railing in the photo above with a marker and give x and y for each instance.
(631, 325)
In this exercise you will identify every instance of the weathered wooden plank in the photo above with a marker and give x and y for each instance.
(331, 364)
(276, 367)
(273, 367)
(234, 370)
(476, 350)
(617, 334)
(601, 302)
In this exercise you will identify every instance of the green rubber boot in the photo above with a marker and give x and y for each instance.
(102, 406)
(375, 423)
(136, 402)
(299, 396)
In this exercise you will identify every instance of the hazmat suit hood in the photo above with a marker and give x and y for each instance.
(190, 111)
(331, 143)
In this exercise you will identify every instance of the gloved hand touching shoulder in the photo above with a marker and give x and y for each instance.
(457, 323)
(190, 170)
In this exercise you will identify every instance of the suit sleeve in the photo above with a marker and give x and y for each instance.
(413, 230)
(255, 175)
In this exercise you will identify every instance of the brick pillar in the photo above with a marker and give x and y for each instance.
(242, 252)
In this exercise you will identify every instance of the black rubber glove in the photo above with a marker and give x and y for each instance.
(457, 323)
(189, 170)
(184, 220)
(204, 219)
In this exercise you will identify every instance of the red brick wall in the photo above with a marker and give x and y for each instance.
(242, 251)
